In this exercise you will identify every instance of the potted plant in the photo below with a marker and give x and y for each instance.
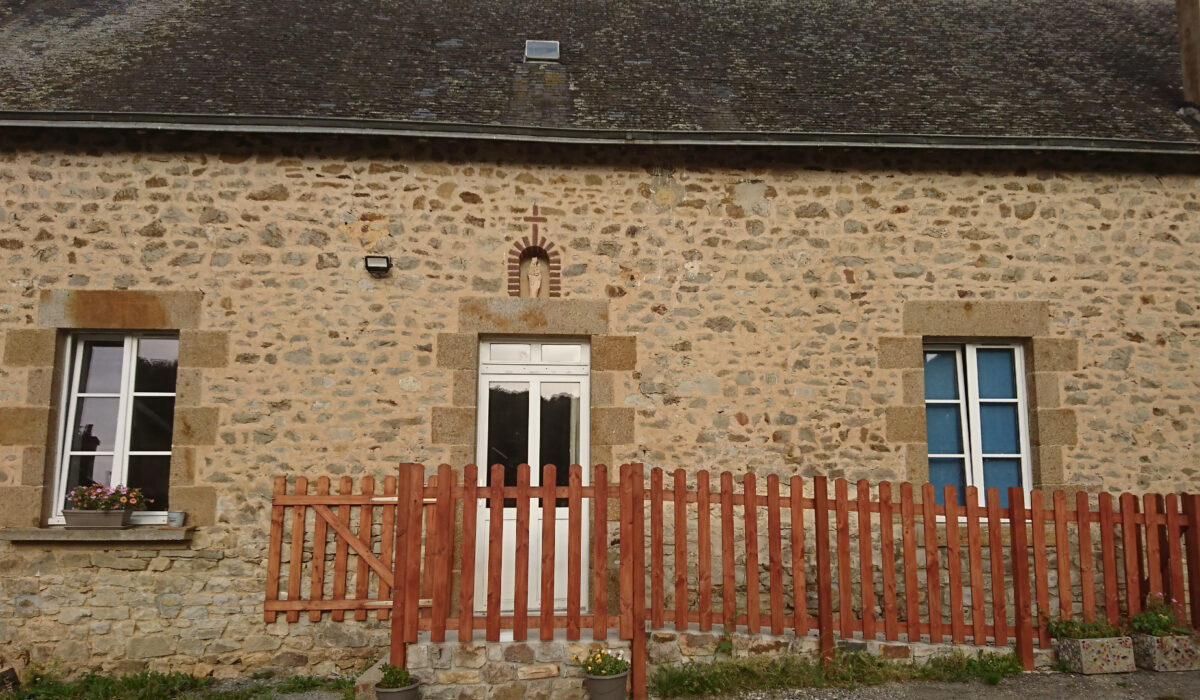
(605, 674)
(1160, 642)
(1091, 647)
(395, 683)
(101, 507)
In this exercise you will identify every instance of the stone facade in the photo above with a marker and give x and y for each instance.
(749, 310)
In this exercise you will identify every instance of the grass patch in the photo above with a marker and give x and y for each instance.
(848, 670)
(300, 684)
(146, 685)
(39, 684)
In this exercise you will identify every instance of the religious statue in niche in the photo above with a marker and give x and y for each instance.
(533, 274)
(534, 264)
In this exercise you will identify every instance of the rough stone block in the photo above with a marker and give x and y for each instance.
(702, 644)
(453, 425)
(33, 465)
(458, 676)
(614, 352)
(602, 389)
(977, 319)
(518, 653)
(900, 352)
(189, 386)
(916, 462)
(458, 351)
(152, 646)
(39, 386)
(470, 655)
(119, 309)
(1055, 426)
(200, 502)
(24, 425)
(613, 426)
(1045, 390)
(905, 424)
(521, 315)
(534, 671)
(913, 386)
(1049, 468)
(30, 347)
(195, 425)
(203, 348)
(466, 388)
(1055, 354)
(507, 691)
(20, 506)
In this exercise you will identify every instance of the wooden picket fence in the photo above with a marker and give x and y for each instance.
(880, 567)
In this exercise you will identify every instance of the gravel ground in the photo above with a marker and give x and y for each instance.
(1060, 686)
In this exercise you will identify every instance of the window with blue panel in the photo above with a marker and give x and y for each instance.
(974, 415)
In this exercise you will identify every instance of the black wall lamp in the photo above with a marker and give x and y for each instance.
(377, 266)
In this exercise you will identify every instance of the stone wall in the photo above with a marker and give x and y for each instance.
(547, 670)
(762, 310)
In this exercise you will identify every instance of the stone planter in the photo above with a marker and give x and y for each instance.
(1088, 656)
(97, 519)
(1175, 652)
(408, 692)
(606, 687)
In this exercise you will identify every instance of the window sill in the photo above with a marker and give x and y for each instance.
(134, 535)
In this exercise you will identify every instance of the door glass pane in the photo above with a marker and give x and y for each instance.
(944, 471)
(944, 428)
(510, 352)
(151, 474)
(507, 430)
(88, 470)
(559, 437)
(157, 359)
(998, 427)
(101, 371)
(1001, 473)
(997, 374)
(561, 354)
(152, 420)
(941, 375)
(95, 426)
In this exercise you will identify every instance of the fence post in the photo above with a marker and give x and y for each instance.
(824, 583)
(1191, 508)
(1020, 572)
(638, 520)
(397, 653)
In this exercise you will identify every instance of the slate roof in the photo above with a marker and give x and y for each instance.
(1000, 72)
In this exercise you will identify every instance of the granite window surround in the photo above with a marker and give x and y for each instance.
(453, 427)
(1047, 360)
(40, 352)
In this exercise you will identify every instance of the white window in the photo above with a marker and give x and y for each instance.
(119, 401)
(534, 399)
(976, 418)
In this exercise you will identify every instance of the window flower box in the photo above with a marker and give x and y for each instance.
(97, 519)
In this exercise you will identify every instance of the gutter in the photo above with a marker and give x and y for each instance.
(235, 123)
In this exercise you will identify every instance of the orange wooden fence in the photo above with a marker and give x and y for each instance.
(751, 559)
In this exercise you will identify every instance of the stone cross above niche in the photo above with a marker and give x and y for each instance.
(534, 264)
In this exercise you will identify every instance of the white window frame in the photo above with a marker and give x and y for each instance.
(967, 368)
(120, 452)
(535, 371)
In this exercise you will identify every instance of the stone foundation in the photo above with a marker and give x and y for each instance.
(529, 670)
(537, 670)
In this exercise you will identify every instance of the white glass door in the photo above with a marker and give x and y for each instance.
(533, 409)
